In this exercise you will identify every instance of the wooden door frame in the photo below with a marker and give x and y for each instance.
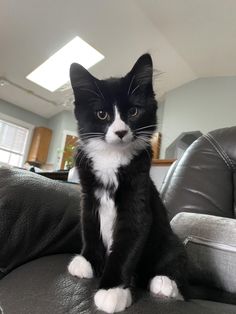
(64, 134)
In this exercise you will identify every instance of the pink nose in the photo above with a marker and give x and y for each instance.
(121, 134)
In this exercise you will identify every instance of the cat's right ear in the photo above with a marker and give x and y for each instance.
(82, 81)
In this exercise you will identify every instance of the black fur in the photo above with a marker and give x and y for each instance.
(143, 243)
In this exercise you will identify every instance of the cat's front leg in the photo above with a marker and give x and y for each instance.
(113, 300)
(88, 264)
(96, 256)
(91, 261)
(80, 267)
(114, 293)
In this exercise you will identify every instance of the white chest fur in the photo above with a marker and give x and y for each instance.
(106, 162)
(107, 214)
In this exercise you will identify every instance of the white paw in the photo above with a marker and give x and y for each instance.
(164, 286)
(113, 300)
(80, 267)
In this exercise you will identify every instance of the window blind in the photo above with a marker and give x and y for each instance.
(13, 140)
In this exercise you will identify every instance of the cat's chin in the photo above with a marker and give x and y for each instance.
(121, 144)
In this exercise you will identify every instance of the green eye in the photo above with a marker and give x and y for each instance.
(133, 111)
(102, 115)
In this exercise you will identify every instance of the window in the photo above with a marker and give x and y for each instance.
(13, 140)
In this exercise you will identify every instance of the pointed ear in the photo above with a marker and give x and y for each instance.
(142, 71)
(82, 81)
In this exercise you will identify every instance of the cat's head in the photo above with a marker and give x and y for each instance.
(118, 111)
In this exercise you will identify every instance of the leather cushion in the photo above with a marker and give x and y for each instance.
(44, 286)
(203, 181)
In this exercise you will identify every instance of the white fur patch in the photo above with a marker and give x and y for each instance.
(80, 267)
(113, 300)
(110, 154)
(118, 125)
(164, 286)
(107, 215)
(106, 160)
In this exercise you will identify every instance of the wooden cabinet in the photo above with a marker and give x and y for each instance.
(38, 152)
(156, 144)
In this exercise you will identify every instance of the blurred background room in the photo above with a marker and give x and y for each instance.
(193, 46)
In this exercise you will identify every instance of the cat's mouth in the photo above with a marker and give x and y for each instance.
(136, 140)
(121, 138)
(120, 143)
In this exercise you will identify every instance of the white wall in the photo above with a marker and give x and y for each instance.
(158, 174)
(160, 113)
(204, 104)
(21, 114)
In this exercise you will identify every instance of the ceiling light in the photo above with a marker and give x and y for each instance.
(3, 82)
(54, 72)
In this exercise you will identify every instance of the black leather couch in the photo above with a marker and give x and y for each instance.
(40, 230)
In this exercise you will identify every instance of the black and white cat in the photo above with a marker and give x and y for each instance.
(127, 239)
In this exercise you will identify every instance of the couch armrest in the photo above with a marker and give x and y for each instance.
(211, 246)
(204, 179)
(38, 217)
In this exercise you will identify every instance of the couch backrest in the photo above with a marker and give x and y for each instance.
(204, 180)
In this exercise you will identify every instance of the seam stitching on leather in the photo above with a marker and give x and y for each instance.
(220, 151)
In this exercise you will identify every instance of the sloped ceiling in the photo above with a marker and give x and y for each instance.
(187, 39)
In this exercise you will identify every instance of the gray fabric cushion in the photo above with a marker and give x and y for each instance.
(44, 286)
(211, 247)
(38, 216)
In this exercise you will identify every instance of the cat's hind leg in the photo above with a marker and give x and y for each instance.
(163, 269)
(170, 272)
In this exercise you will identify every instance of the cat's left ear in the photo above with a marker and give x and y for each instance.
(142, 72)
(82, 82)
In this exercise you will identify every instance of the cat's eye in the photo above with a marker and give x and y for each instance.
(102, 115)
(133, 111)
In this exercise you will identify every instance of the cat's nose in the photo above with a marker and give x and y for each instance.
(121, 134)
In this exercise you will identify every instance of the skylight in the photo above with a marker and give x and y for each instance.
(54, 72)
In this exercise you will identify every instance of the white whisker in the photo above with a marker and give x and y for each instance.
(90, 136)
(131, 82)
(135, 89)
(81, 160)
(146, 127)
(144, 132)
(99, 90)
(143, 144)
(91, 133)
(145, 139)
